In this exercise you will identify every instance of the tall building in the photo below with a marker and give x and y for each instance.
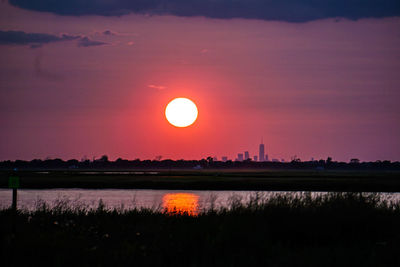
(255, 158)
(246, 155)
(240, 157)
(266, 157)
(261, 154)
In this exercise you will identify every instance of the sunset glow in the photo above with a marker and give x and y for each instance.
(181, 112)
(313, 86)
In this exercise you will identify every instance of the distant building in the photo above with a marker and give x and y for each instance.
(246, 155)
(261, 152)
(224, 159)
(275, 160)
(282, 160)
(255, 158)
(240, 157)
(215, 159)
(266, 157)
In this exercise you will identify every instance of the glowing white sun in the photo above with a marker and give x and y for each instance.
(181, 112)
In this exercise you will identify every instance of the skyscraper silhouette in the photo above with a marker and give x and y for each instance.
(261, 152)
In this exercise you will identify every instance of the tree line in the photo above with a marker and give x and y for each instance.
(207, 163)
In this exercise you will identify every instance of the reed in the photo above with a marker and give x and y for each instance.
(337, 229)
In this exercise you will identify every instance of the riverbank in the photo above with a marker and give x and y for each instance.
(334, 230)
(267, 180)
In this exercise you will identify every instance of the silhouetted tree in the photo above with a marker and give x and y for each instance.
(104, 158)
(210, 161)
(295, 159)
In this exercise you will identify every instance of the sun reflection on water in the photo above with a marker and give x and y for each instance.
(181, 203)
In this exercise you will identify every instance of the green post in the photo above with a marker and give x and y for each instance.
(13, 182)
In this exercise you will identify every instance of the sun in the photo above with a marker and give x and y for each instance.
(181, 112)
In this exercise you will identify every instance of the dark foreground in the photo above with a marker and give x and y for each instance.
(337, 230)
(268, 180)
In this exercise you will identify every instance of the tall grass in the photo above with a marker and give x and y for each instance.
(337, 229)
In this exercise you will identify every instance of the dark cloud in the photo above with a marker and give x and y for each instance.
(281, 10)
(35, 45)
(85, 42)
(34, 40)
(108, 32)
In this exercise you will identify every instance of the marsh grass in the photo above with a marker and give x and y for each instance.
(336, 229)
(233, 179)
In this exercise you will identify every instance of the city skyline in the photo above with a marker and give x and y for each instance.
(239, 156)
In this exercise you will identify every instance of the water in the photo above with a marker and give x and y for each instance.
(191, 201)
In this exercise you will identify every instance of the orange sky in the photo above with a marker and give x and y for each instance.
(316, 89)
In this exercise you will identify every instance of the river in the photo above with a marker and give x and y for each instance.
(191, 201)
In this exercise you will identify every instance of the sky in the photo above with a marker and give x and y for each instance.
(88, 78)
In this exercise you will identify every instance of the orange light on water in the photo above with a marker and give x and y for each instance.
(181, 203)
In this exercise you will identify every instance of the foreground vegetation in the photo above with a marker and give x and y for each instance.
(338, 229)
